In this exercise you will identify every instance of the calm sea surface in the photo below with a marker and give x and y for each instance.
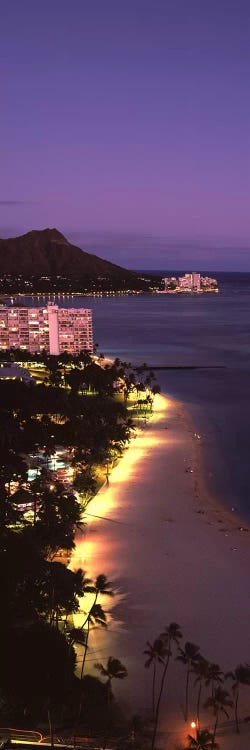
(192, 330)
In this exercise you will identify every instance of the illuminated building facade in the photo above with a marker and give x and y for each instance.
(190, 282)
(52, 328)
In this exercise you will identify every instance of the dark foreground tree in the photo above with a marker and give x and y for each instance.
(114, 669)
(241, 676)
(189, 655)
(156, 653)
(201, 670)
(171, 635)
(37, 672)
(219, 703)
(215, 676)
(95, 618)
(203, 741)
(58, 517)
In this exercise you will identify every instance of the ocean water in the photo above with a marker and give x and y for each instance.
(212, 331)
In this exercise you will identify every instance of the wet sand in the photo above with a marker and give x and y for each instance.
(173, 554)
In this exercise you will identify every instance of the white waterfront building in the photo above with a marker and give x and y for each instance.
(190, 282)
(55, 329)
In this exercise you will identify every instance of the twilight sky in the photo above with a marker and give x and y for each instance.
(125, 124)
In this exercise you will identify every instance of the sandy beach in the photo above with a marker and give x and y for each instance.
(173, 554)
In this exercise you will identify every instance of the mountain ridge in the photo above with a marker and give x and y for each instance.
(47, 251)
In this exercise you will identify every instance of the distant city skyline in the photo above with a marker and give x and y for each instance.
(126, 126)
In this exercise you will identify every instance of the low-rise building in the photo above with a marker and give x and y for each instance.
(11, 371)
(207, 282)
(185, 282)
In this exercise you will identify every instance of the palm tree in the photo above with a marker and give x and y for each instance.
(241, 676)
(156, 654)
(95, 617)
(61, 589)
(85, 484)
(214, 676)
(171, 634)
(103, 587)
(219, 703)
(188, 656)
(77, 635)
(200, 668)
(203, 741)
(156, 389)
(113, 670)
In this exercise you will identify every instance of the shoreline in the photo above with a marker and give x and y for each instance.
(168, 562)
(208, 499)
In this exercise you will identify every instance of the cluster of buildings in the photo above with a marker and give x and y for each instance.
(52, 328)
(190, 282)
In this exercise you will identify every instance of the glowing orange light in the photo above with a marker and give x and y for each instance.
(92, 549)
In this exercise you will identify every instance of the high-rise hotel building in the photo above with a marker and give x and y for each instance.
(55, 329)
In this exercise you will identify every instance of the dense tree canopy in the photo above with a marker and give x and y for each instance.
(39, 515)
(75, 407)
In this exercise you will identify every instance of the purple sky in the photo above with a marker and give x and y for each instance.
(125, 124)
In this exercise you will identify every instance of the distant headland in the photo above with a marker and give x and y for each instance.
(45, 262)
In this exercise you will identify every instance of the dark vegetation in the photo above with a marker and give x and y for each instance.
(83, 408)
(222, 690)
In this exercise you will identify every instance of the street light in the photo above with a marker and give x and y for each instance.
(194, 725)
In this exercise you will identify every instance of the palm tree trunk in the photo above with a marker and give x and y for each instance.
(52, 606)
(109, 695)
(198, 705)
(186, 699)
(35, 510)
(107, 474)
(236, 712)
(84, 623)
(51, 728)
(159, 703)
(215, 727)
(85, 651)
(82, 672)
(153, 691)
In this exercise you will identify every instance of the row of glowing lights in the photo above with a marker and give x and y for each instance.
(42, 738)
